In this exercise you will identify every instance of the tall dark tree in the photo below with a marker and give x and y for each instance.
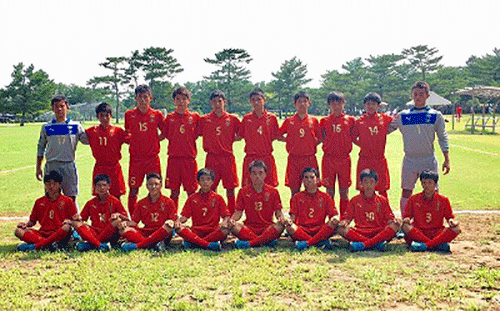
(485, 70)
(287, 81)
(158, 64)
(423, 59)
(382, 72)
(132, 71)
(232, 73)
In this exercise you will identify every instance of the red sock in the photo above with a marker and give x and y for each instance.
(267, 236)
(87, 235)
(132, 200)
(57, 236)
(324, 233)
(444, 237)
(107, 233)
(176, 200)
(246, 234)
(231, 203)
(215, 236)
(192, 237)
(353, 236)
(300, 235)
(416, 235)
(343, 207)
(31, 238)
(157, 236)
(384, 194)
(384, 235)
(133, 236)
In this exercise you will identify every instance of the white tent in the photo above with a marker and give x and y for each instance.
(433, 100)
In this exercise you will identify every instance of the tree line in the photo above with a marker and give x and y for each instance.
(391, 75)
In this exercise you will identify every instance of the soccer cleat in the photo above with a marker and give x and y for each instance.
(214, 246)
(26, 247)
(160, 246)
(445, 247)
(400, 234)
(104, 247)
(357, 246)
(241, 244)
(188, 245)
(418, 247)
(380, 246)
(76, 236)
(272, 243)
(83, 246)
(301, 245)
(325, 243)
(127, 247)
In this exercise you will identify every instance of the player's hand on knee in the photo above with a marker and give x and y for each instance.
(22, 225)
(343, 223)
(406, 221)
(453, 223)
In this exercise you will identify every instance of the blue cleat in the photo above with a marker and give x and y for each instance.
(241, 244)
(26, 247)
(327, 244)
(272, 243)
(83, 246)
(445, 247)
(127, 247)
(380, 246)
(301, 245)
(188, 245)
(214, 246)
(104, 247)
(357, 246)
(400, 234)
(76, 236)
(418, 247)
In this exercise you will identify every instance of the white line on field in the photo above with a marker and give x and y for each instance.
(475, 150)
(23, 168)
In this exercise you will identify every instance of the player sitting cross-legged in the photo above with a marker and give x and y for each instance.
(423, 217)
(259, 201)
(105, 212)
(53, 211)
(308, 212)
(156, 212)
(374, 221)
(205, 208)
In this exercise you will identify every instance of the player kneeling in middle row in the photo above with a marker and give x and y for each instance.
(156, 211)
(205, 208)
(308, 211)
(260, 202)
(375, 223)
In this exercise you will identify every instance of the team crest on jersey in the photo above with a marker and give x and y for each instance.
(437, 206)
(378, 207)
(321, 203)
(61, 205)
(266, 196)
(228, 122)
(190, 120)
(213, 203)
(152, 119)
(162, 206)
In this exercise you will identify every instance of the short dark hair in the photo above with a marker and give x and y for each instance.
(368, 173)
(301, 94)
(58, 98)
(257, 163)
(55, 176)
(103, 107)
(372, 96)
(429, 175)
(205, 171)
(181, 91)
(143, 88)
(217, 93)
(258, 92)
(153, 175)
(102, 177)
(421, 85)
(310, 169)
(336, 97)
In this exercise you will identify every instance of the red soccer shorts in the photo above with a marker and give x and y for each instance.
(140, 167)
(224, 167)
(380, 166)
(311, 231)
(271, 175)
(203, 231)
(257, 230)
(42, 234)
(367, 232)
(181, 170)
(332, 167)
(115, 174)
(294, 168)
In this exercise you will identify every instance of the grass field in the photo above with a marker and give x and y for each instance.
(263, 278)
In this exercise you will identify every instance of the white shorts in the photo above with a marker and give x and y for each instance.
(412, 167)
(69, 175)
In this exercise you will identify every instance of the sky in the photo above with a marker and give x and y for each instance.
(68, 39)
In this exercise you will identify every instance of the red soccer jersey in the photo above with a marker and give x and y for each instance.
(259, 207)
(428, 214)
(106, 144)
(143, 131)
(311, 210)
(100, 212)
(205, 209)
(218, 132)
(369, 213)
(51, 214)
(154, 214)
(259, 133)
(371, 134)
(338, 133)
(302, 135)
(181, 134)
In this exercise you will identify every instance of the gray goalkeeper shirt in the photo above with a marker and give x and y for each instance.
(58, 140)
